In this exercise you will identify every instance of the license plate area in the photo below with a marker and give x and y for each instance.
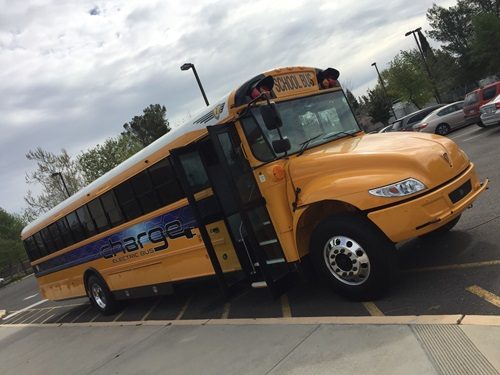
(460, 192)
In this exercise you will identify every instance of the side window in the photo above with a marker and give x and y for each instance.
(98, 214)
(126, 200)
(56, 237)
(144, 192)
(42, 250)
(489, 92)
(86, 221)
(47, 238)
(165, 182)
(65, 232)
(195, 171)
(111, 208)
(31, 248)
(75, 226)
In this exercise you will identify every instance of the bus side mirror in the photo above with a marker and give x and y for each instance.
(281, 145)
(271, 117)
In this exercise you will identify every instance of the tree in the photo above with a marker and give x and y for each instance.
(11, 247)
(100, 159)
(352, 101)
(485, 37)
(150, 126)
(407, 80)
(53, 191)
(377, 105)
(456, 29)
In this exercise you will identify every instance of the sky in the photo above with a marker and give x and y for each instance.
(73, 72)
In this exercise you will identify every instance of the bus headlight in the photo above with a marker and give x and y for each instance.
(399, 189)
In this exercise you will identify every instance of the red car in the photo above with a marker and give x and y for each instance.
(475, 99)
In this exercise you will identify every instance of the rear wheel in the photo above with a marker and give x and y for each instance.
(443, 129)
(100, 296)
(480, 124)
(353, 256)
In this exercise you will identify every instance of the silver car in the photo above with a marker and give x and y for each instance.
(490, 112)
(443, 120)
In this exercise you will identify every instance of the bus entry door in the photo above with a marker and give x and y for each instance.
(216, 167)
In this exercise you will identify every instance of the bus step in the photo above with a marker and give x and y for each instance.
(272, 261)
(259, 284)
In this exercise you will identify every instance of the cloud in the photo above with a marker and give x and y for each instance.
(74, 72)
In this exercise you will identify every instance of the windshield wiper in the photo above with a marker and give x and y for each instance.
(303, 145)
(334, 134)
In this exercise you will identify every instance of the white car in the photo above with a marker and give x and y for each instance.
(443, 120)
(2, 280)
(490, 112)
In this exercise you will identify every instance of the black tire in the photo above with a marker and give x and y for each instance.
(444, 229)
(100, 296)
(353, 256)
(480, 124)
(442, 129)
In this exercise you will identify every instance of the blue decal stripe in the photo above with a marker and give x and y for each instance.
(92, 251)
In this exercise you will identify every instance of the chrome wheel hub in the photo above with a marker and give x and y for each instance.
(98, 296)
(346, 260)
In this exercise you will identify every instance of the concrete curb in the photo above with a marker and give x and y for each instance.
(482, 320)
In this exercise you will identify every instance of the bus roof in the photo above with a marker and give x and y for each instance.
(205, 117)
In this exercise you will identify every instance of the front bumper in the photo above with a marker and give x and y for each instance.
(429, 211)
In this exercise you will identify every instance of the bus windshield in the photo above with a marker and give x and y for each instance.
(307, 122)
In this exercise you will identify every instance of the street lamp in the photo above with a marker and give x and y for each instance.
(418, 30)
(188, 66)
(55, 174)
(385, 91)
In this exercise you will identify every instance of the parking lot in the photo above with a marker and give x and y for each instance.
(458, 273)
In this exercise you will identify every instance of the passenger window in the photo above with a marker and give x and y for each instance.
(65, 232)
(47, 239)
(165, 183)
(40, 244)
(31, 248)
(56, 237)
(143, 189)
(111, 208)
(195, 171)
(86, 221)
(98, 214)
(126, 200)
(76, 228)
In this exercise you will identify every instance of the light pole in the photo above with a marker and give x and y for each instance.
(417, 30)
(188, 66)
(55, 174)
(385, 91)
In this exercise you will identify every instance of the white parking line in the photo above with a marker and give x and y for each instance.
(30, 297)
(23, 310)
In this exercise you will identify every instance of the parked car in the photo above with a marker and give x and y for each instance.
(490, 112)
(443, 120)
(475, 99)
(2, 281)
(406, 123)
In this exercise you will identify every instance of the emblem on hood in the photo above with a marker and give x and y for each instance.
(447, 158)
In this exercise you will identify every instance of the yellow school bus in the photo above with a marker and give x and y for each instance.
(275, 175)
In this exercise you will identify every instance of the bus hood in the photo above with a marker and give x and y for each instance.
(350, 166)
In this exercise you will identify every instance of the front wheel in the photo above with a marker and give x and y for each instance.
(353, 256)
(100, 296)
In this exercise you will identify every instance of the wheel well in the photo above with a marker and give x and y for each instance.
(314, 215)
